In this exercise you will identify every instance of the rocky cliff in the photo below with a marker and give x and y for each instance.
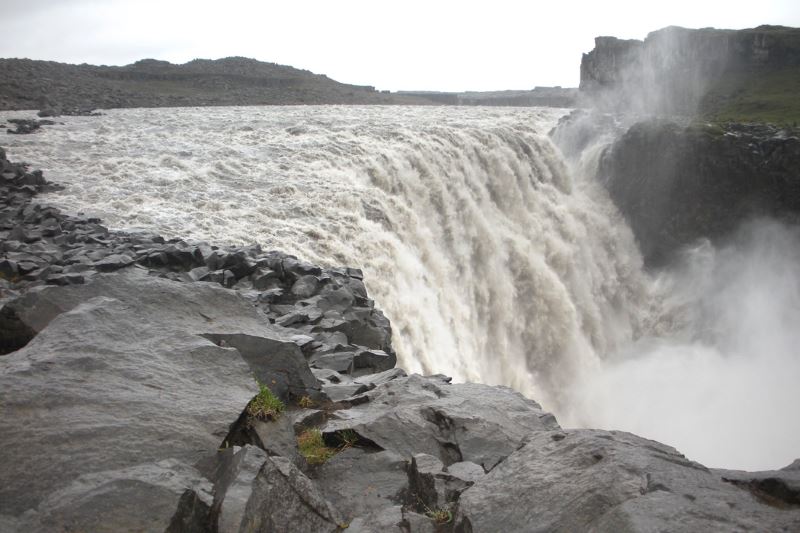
(152, 385)
(704, 128)
(28, 84)
(676, 184)
(684, 71)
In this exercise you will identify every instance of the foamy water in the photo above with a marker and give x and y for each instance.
(495, 260)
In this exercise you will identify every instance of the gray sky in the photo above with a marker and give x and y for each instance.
(409, 44)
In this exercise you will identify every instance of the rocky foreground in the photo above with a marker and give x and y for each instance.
(131, 370)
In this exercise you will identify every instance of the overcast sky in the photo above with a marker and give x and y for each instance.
(406, 44)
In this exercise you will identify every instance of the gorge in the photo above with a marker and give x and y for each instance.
(612, 269)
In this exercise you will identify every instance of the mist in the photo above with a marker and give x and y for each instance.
(716, 378)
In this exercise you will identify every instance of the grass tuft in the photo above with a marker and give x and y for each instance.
(305, 402)
(347, 439)
(265, 406)
(313, 447)
(440, 515)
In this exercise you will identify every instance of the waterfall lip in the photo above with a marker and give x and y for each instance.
(496, 257)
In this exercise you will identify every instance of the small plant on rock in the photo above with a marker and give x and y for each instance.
(265, 406)
(313, 447)
(305, 402)
(347, 438)
(440, 515)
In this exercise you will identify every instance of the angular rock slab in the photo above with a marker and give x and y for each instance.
(454, 422)
(592, 480)
(358, 482)
(138, 498)
(233, 486)
(284, 499)
(118, 376)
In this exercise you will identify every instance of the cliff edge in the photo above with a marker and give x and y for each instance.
(741, 75)
(704, 126)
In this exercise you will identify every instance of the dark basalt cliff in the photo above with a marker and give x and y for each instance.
(28, 84)
(676, 184)
(705, 130)
(683, 71)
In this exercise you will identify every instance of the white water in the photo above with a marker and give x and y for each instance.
(493, 260)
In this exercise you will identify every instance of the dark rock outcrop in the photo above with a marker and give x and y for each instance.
(590, 480)
(461, 422)
(675, 184)
(25, 126)
(674, 69)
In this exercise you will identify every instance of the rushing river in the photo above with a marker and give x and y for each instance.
(495, 259)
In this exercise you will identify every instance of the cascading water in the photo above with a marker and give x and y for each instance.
(494, 260)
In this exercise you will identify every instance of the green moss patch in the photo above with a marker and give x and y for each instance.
(265, 406)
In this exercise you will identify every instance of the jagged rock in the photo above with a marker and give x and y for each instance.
(294, 268)
(342, 391)
(374, 360)
(326, 375)
(115, 500)
(282, 498)
(677, 184)
(8, 269)
(275, 360)
(197, 274)
(113, 262)
(265, 279)
(373, 380)
(305, 315)
(779, 488)
(582, 480)
(461, 422)
(277, 437)
(432, 486)
(233, 487)
(396, 519)
(341, 362)
(119, 363)
(425, 489)
(305, 286)
(358, 481)
(466, 470)
(26, 126)
(67, 278)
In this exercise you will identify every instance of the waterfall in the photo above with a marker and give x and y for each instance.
(496, 259)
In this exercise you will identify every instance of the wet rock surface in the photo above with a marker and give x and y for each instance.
(24, 126)
(130, 362)
(591, 480)
(676, 184)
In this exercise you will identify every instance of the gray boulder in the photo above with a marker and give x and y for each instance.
(233, 486)
(284, 499)
(358, 481)
(780, 488)
(461, 422)
(137, 498)
(118, 375)
(592, 480)
(275, 360)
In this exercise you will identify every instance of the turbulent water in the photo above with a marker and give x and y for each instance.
(495, 259)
